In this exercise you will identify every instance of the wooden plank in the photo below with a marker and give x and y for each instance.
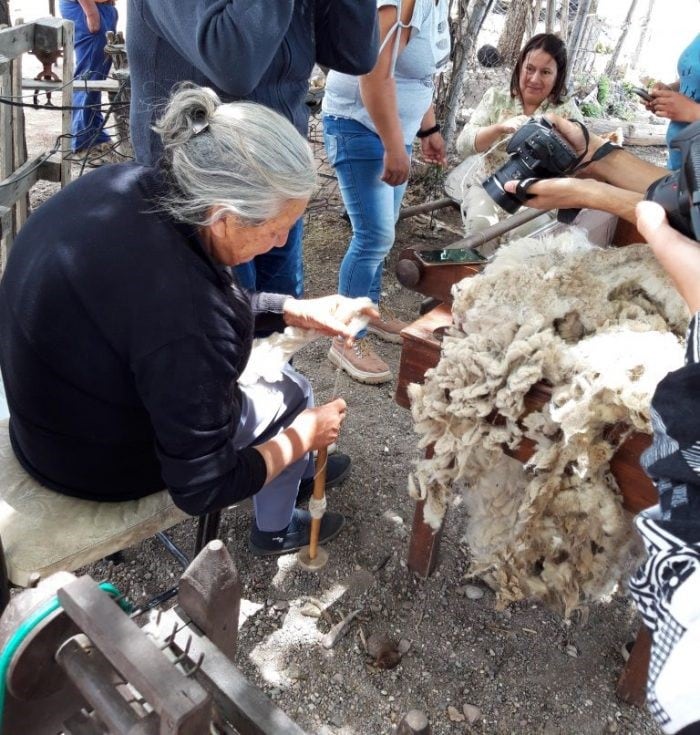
(241, 703)
(632, 684)
(16, 41)
(50, 169)
(634, 133)
(20, 181)
(48, 34)
(19, 144)
(184, 707)
(6, 159)
(89, 85)
(67, 101)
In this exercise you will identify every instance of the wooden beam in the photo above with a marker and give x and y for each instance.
(88, 85)
(20, 181)
(48, 34)
(67, 73)
(16, 41)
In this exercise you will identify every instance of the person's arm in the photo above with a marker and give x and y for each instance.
(482, 131)
(622, 179)
(378, 91)
(347, 35)
(232, 42)
(432, 146)
(678, 255)
(189, 389)
(674, 106)
(92, 15)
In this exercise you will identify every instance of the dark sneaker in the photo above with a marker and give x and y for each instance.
(295, 536)
(337, 471)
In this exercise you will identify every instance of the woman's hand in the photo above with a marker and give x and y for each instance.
(433, 149)
(318, 427)
(331, 315)
(674, 106)
(678, 255)
(572, 132)
(397, 166)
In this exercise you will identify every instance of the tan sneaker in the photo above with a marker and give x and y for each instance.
(360, 361)
(388, 327)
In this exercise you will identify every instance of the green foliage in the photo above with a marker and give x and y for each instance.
(603, 90)
(592, 109)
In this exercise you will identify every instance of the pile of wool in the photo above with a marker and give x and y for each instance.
(601, 327)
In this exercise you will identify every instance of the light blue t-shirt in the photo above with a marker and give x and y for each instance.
(689, 78)
(426, 52)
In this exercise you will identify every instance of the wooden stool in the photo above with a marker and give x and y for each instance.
(42, 531)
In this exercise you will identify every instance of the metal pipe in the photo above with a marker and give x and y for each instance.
(426, 207)
(479, 238)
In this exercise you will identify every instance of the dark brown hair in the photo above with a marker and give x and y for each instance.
(554, 46)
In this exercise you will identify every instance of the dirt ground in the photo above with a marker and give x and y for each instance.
(522, 670)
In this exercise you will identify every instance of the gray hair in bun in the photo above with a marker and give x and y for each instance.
(239, 158)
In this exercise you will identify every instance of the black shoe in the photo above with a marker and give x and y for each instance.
(337, 470)
(295, 536)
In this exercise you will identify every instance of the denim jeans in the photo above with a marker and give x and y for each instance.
(357, 154)
(91, 62)
(281, 270)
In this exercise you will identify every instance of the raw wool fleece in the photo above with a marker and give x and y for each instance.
(602, 327)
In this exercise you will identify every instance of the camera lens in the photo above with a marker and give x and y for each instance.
(514, 169)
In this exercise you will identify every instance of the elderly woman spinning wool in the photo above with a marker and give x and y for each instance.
(124, 333)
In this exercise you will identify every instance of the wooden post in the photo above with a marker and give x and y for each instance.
(632, 684)
(19, 143)
(319, 494)
(67, 100)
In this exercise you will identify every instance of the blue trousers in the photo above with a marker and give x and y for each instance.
(357, 154)
(281, 270)
(91, 62)
(267, 409)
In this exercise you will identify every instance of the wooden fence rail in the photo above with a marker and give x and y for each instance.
(17, 174)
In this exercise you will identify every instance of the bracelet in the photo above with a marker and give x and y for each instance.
(427, 133)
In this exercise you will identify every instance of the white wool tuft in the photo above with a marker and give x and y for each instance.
(602, 327)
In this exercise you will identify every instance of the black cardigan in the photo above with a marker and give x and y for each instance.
(121, 342)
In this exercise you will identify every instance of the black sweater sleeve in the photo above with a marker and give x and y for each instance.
(190, 392)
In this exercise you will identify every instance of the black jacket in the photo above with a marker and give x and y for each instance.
(259, 50)
(121, 342)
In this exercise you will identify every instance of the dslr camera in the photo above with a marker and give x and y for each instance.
(679, 192)
(537, 151)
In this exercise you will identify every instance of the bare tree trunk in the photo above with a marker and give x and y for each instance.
(512, 36)
(577, 35)
(643, 35)
(534, 18)
(610, 69)
(463, 49)
(551, 16)
(564, 20)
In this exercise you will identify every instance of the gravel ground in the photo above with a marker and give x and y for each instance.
(470, 668)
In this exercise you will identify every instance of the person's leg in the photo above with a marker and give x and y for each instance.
(370, 204)
(91, 62)
(267, 409)
(357, 154)
(281, 270)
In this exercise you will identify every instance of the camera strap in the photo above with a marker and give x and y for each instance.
(604, 150)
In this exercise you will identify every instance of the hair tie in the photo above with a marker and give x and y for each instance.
(200, 123)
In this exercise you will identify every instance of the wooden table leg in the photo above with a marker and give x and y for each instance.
(424, 546)
(632, 684)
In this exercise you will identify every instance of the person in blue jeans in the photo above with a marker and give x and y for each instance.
(92, 20)
(369, 126)
(259, 50)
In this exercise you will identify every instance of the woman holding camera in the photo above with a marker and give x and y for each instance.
(537, 85)
(369, 125)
